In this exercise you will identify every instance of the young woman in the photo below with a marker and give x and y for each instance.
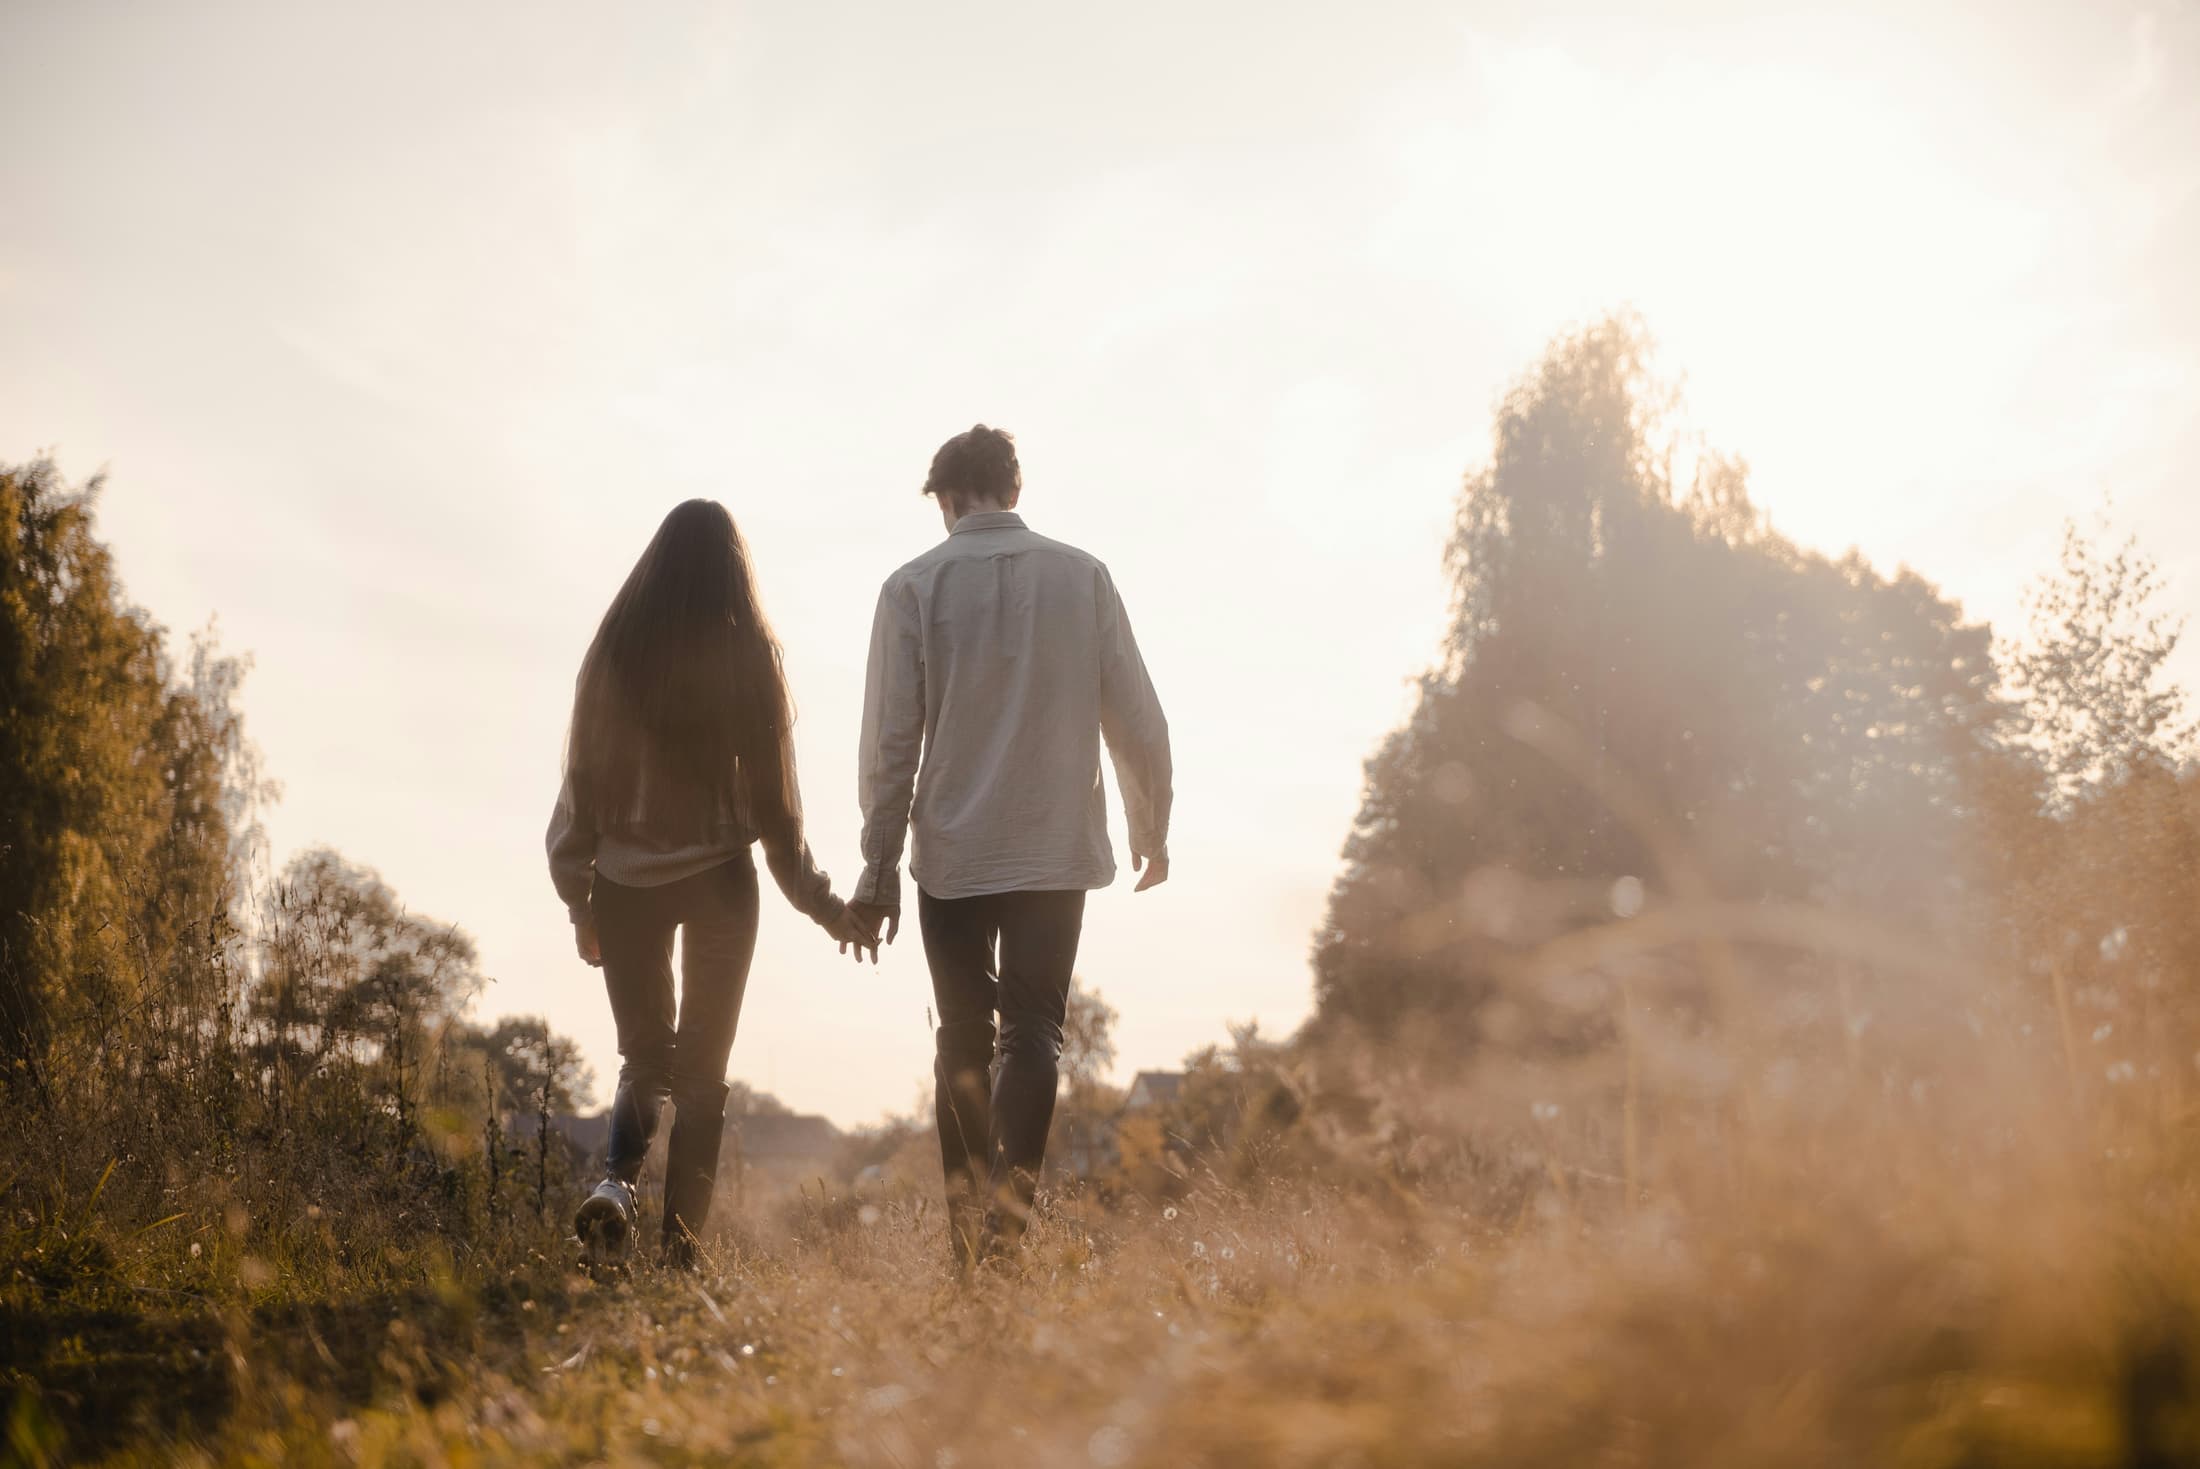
(680, 757)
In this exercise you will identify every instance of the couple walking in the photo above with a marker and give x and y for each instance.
(999, 662)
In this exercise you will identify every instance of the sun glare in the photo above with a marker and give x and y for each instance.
(1781, 230)
(959, 735)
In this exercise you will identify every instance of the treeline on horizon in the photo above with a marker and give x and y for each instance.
(1670, 770)
(1682, 796)
(1644, 683)
(177, 1023)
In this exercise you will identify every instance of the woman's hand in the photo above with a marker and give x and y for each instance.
(585, 940)
(850, 931)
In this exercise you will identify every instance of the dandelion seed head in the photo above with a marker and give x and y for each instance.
(1109, 1446)
(1627, 897)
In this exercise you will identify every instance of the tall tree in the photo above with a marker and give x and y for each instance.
(2099, 840)
(1645, 694)
(2099, 707)
(122, 789)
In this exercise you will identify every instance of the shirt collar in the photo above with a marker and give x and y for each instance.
(989, 520)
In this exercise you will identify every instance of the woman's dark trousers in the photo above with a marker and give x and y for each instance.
(676, 1049)
(994, 1090)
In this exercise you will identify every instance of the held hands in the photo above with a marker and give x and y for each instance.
(876, 920)
(1156, 870)
(858, 928)
(852, 933)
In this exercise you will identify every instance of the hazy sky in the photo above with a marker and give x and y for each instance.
(400, 326)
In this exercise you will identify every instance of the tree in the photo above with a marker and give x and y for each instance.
(545, 1077)
(349, 978)
(536, 1067)
(2097, 705)
(1644, 696)
(1088, 1038)
(1080, 1138)
(123, 790)
(2099, 836)
(308, 1060)
(1238, 1108)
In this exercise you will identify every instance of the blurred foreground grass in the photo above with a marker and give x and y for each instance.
(1796, 1294)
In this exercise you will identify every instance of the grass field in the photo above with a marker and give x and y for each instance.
(1822, 1281)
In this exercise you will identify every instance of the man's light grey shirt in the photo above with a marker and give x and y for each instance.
(999, 660)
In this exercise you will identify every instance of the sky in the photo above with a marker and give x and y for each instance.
(398, 328)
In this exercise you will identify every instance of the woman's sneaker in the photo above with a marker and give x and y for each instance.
(605, 1224)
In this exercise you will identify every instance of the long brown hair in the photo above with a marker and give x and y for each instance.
(681, 715)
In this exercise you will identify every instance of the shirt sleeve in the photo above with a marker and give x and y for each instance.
(795, 869)
(892, 743)
(572, 844)
(1136, 730)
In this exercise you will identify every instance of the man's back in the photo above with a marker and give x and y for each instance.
(999, 661)
(1004, 656)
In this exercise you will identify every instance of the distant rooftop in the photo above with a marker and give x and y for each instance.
(1153, 1089)
(784, 1135)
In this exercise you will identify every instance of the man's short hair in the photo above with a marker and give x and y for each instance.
(978, 465)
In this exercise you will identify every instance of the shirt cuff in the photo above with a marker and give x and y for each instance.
(880, 887)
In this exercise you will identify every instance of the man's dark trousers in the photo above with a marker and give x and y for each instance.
(1013, 952)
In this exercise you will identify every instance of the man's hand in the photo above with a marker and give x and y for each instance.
(851, 933)
(1156, 868)
(873, 916)
(585, 940)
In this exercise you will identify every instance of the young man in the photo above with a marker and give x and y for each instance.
(999, 660)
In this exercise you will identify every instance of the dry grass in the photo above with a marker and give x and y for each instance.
(1854, 1281)
(1803, 1219)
